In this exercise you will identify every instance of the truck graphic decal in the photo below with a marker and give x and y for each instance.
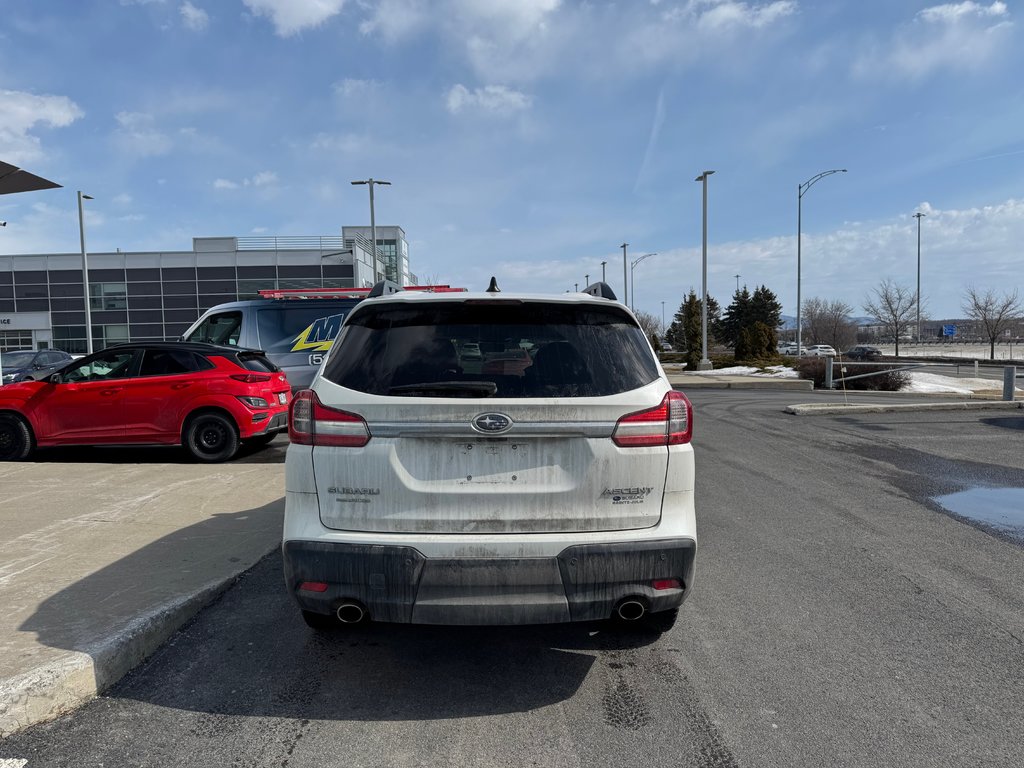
(318, 335)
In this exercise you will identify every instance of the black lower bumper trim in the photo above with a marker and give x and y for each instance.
(399, 584)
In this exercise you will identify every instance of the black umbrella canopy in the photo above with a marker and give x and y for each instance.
(13, 179)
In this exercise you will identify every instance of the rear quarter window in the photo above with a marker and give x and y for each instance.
(300, 325)
(523, 349)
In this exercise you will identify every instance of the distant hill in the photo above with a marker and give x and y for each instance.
(788, 322)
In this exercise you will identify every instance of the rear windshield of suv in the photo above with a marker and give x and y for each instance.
(507, 349)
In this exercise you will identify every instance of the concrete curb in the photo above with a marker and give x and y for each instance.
(64, 684)
(749, 382)
(831, 409)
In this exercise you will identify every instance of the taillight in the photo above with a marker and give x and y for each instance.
(671, 423)
(310, 422)
(251, 378)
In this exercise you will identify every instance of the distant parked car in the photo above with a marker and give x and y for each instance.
(819, 350)
(24, 365)
(863, 352)
(204, 397)
(789, 348)
(470, 351)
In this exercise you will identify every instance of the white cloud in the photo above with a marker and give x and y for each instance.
(729, 14)
(21, 113)
(491, 99)
(261, 179)
(290, 17)
(396, 20)
(194, 18)
(955, 36)
(350, 87)
(137, 134)
(345, 143)
(123, 199)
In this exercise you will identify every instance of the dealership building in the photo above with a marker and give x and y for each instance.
(146, 296)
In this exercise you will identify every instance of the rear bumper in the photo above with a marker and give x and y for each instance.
(400, 584)
(272, 425)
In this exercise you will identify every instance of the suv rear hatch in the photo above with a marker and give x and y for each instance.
(552, 426)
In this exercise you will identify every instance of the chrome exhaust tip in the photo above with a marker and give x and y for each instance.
(351, 612)
(631, 609)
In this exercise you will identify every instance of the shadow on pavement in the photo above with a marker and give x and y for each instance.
(120, 613)
(272, 453)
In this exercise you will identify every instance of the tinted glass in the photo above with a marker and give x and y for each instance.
(300, 326)
(108, 365)
(167, 362)
(257, 363)
(222, 328)
(16, 359)
(530, 349)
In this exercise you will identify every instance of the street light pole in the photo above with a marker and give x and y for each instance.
(586, 280)
(85, 274)
(632, 280)
(663, 318)
(602, 272)
(705, 363)
(919, 216)
(801, 190)
(737, 276)
(373, 222)
(625, 284)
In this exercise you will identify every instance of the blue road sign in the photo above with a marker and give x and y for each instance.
(949, 330)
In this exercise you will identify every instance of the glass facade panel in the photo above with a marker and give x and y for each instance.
(107, 296)
(106, 275)
(30, 291)
(66, 276)
(32, 305)
(145, 302)
(144, 289)
(109, 317)
(216, 286)
(177, 302)
(180, 288)
(215, 273)
(180, 315)
(68, 290)
(25, 277)
(151, 274)
(256, 272)
(179, 273)
(146, 316)
(6, 305)
(299, 270)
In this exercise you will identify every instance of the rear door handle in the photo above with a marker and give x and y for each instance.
(109, 392)
(180, 386)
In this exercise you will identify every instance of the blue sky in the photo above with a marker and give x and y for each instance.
(529, 138)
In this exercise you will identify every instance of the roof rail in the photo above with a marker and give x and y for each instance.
(600, 290)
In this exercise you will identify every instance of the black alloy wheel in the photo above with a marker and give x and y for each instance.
(211, 437)
(15, 438)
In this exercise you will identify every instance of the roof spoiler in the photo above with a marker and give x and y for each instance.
(601, 291)
(383, 288)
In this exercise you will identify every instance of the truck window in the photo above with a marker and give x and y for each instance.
(222, 328)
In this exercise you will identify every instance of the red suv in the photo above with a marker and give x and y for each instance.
(205, 397)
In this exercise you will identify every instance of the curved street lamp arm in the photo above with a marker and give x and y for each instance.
(814, 179)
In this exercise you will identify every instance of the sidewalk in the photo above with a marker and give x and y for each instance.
(101, 562)
(685, 381)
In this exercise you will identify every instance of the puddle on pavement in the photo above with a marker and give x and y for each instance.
(999, 509)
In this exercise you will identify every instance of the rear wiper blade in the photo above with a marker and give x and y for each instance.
(447, 389)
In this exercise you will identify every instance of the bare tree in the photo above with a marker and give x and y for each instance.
(895, 308)
(650, 324)
(993, 313)
(828, 322)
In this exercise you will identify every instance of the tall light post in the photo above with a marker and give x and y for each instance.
(705, 363)
(632, 280)
(371, 182)
(800, 192)
(737, 276)
(625, 283)
(85, 274)
(586, 280)
(603, 280)
(663, 318)
(919, 216)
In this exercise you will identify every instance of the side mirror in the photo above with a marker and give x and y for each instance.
(55, 378)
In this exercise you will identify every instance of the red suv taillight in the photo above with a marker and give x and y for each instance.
(671, 423)
(251, 378)
(310, 422)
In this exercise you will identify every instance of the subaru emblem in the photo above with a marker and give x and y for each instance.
(492, 423)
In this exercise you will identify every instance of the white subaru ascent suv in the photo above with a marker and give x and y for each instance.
(490, 458)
